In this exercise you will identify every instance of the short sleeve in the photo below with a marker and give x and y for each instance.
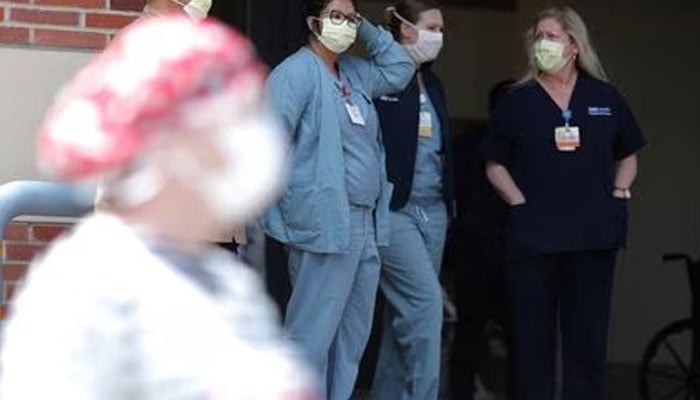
(629, 138)
(497, 142)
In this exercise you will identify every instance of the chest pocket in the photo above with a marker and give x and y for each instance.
(364, 101)
(394, 102)
(388, 100)
(366, 98)
(366, 105)
(601, 126)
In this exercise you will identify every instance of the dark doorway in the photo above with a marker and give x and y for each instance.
(275, 26)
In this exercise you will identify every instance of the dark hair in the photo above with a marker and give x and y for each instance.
(313, 9)
(408, 9)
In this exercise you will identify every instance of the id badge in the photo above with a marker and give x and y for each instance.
(425, 124)
(354, 113)
(567, 138)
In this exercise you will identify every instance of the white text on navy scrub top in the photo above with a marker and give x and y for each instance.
(600, 111)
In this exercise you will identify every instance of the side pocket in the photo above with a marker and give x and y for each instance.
(514, 225)
(622, 217)
(382, 215)
(515, 211)
(298, 206)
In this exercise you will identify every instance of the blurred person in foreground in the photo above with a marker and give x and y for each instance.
(133, 303)
(198, 10)
(246, 241)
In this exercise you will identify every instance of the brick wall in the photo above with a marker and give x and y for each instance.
(67, 24)
(77, 24)
(22, 241)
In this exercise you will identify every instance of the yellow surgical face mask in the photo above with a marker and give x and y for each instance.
(337, 37)
(549, 55)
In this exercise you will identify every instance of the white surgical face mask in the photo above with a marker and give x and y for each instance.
(252, 175)
(254, 152)
(195, 9)
(336, 37)
(426, 48)
(549, 55)
(428, 45)
(143, 183)
(198, 9)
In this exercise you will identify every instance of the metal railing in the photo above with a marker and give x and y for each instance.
(40, 199)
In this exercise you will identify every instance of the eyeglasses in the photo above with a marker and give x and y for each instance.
(338, 18)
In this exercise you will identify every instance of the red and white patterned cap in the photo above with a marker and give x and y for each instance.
(160, 76)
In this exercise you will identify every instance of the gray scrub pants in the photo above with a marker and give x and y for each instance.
(330, 311)
(409, 355)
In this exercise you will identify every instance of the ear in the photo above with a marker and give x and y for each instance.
(314, 25)
(574, 46)
(407, 33)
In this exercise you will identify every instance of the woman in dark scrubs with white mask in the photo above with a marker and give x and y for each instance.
(415, 127)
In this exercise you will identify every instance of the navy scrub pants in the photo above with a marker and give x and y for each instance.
(572, 290)
(480, 297)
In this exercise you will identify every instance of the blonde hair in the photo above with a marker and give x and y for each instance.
(572, 23)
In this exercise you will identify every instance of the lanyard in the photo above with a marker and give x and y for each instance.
(567, 115)
(423, 101)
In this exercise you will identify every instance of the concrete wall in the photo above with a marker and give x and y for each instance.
(30, 74)
(29, 79)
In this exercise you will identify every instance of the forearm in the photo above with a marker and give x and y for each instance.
(626, 172)
(377, 40)
(504, 184)
(390, 67)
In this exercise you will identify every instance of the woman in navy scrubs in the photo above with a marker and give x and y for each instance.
(417, 139)
(561, 150)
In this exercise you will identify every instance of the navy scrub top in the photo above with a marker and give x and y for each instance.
(569, 202)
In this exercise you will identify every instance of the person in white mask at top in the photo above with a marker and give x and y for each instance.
(134, 303)
(561, 151)
(334, 211)
(417, 137)
(197, 9)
